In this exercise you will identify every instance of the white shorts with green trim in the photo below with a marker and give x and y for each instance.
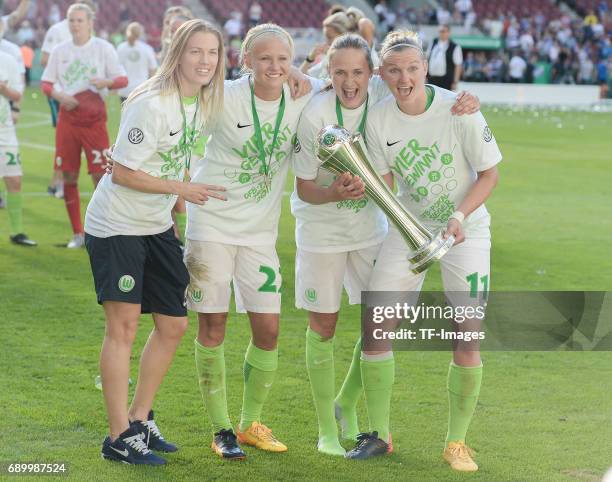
(254, 272)
(465, 268)
(319, 277)
(10, 162)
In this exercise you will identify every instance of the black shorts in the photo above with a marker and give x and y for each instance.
(145, 270)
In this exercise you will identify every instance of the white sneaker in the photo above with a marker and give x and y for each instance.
(59, 191)
(77, 241)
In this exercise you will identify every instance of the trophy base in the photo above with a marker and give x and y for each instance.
(430, 253)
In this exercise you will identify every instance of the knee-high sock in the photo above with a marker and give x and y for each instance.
(349, 395)
(320, 367)
(14, 206)
(378, 376)
(72, 200)
(463, 389)
(259, 370)
(210, 364)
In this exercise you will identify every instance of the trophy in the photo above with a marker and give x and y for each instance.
(341, 152)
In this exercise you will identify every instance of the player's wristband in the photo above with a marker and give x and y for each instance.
(309, 60)
(15, 109)
(458, 215)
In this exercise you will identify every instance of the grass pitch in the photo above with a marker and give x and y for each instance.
(541, 416)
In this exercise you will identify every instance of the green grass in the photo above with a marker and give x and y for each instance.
(541, 416)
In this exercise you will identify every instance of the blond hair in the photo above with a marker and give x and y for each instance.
(83, 7)
(339, 21)
(259, 32)
(166, 80)
(400, 40)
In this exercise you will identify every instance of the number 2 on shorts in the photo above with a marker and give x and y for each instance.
(269, 285)
(473, 280)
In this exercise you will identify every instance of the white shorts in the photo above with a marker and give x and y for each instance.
(10, 162)
(254, 271)
(319, 277)
(465, 268)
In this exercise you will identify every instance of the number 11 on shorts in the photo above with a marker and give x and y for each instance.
(473, 280)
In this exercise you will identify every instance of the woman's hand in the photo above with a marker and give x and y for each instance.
(453, 228)
(466, 103)
(347, 186)
(68, 102)
(299, 83)
(197, 193)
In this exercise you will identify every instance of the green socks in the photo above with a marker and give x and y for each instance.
(320, 367)
(378, 374)
(463, 390)
(14, 202)
(346, 401)
(259, 371)
(210, 364)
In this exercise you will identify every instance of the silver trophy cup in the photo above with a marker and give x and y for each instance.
(341, 152)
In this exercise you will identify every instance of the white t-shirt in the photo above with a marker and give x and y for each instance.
(8, 73)
(137, 60)
(145, 143)
(250, 215)
(73, 66)
(13, 50)
(517, 67)
(58, 33)
(333, 227)
(434, 156)
(437, 58)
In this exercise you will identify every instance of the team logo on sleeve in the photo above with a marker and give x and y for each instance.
(126, 283)
(487, 135)
(135, 135)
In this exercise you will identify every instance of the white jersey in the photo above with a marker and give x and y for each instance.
(434, 156)
(14, 51)
(58, 33)
(137, 60)
(250, 215)
(151, 139)
(333, 227)
(10, 75)
(73, 66)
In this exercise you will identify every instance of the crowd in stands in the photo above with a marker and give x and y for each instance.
(542, 46)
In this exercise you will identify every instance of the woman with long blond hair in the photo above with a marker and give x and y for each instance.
(249, 152)
(135, 259)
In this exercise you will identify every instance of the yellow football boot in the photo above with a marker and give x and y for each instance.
(260, 436)
(459, 456)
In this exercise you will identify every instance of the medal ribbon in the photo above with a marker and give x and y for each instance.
(364, 116)
(258, 137)
(184, 145)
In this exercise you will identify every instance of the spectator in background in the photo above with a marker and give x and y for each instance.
(233, 26)
(602, 77)
(517, 68)
(25, 33)
(14, 18)
(585, 71)
(54, 14)
(27, 53)
(463, 7)
(137, 58)
(255, 12)
(443, 16)
(445, 60)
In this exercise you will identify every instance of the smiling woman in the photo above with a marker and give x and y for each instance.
(135, 259)
(446, 167)
(249, 151)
